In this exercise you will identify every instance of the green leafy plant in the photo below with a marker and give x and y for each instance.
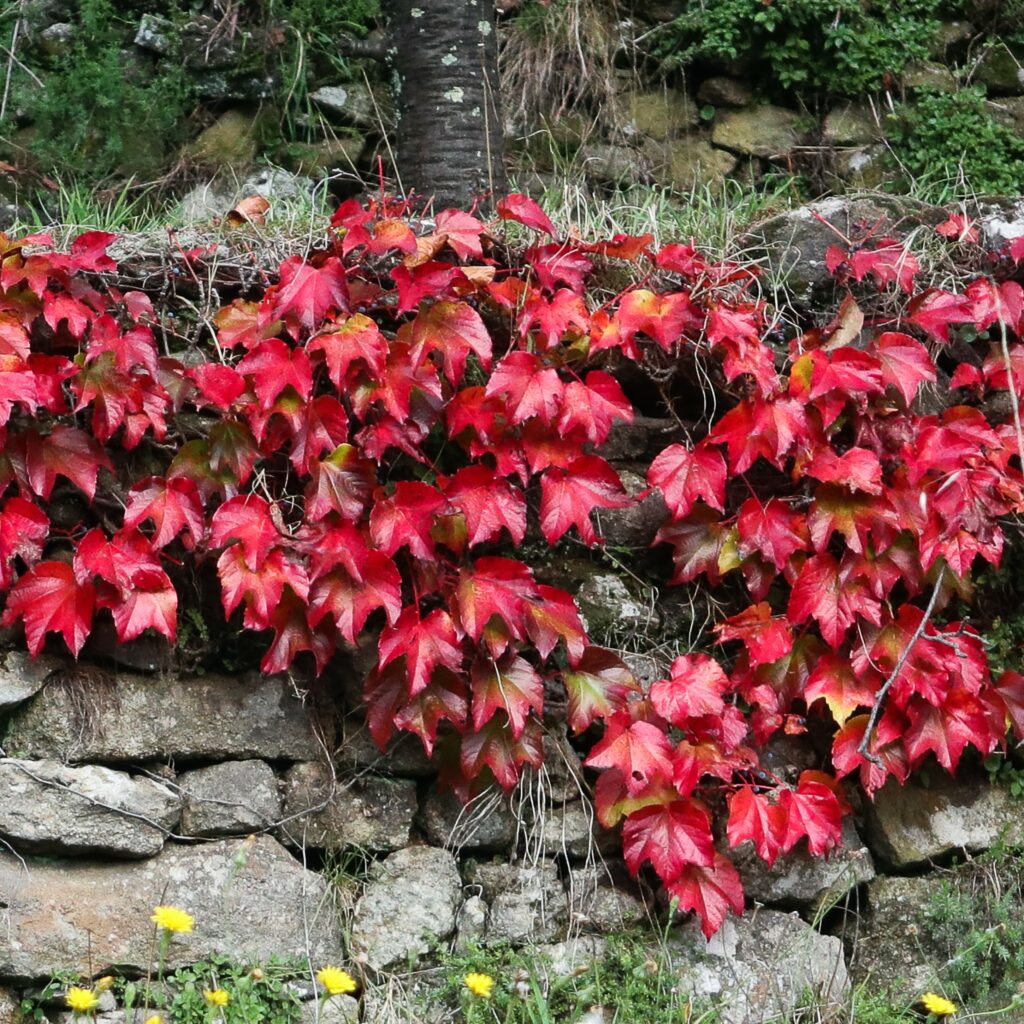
(806, 47)
(952, 140)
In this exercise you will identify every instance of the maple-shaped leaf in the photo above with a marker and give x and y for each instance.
(945, 731)
(639, 750)
(292, 636)
(462, 232)
(569, 495)
(24, 529)
(700, 544)
(343, 483)
(959, 228)
(553, 616)
(67, 452)
(662, 317)
(935, 311)
(349, 601)
(820, 592)
(710, 892)
(147, 601)
(49, 599)
(1009, 688)
(241, 325)
(685, 475)
(454, 329)
(356, 339)
(509, 684)
(61, 306)
(219, 385)
(232, 450)
(765, 637)
(760, 428)
(597, 686)
(424, 642)
(261, 588)
(322, 427)
(905, 363)
(529, 388)
(444, 699)
(593, 405)
(993, 303)
(772, 530)
(489, 503)
(495, 747)
(694, 688)
(493, 587)
(857, 469)
(171, 506)
(249, 520)
(131, 349)
(558, 263)
(553, 317)
(525, 210)
(670, 837)
(846, 756)
(754, 817)
(306, 293)
(406, 518)
(430, 280)
(815, 810)
(834, 681)
(889, 262)
(274, 366)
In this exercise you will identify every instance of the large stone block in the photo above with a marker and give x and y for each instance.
(912, 824)
(407, 907)
(250, 899)
(52, 808)
(22, 677)
(769, 132)
(527, 903)
(138, 717)
(485, 824)
(231, 798)
(371, 811)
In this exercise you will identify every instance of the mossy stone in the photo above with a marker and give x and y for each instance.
(690, 162)
(767, 131)
(662, 114)
(1001, 71)
(230, 142)
(927, 76)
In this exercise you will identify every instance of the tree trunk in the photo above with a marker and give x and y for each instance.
(445, 61)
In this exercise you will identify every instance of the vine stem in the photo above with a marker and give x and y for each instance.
(1004, 345)
(876, 709)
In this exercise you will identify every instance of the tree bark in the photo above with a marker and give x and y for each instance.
(444, 58)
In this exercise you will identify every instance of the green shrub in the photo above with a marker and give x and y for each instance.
(807, 47)
(951, 138)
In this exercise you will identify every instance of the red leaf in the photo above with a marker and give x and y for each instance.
(262, 588)
(273, 366)
(760, 428)
(292, 635)
(406, 519)
(523, 209)
(425, 644)
(463, 233)
(773, 531)
(905, 363)
(496, 748)
(753, 816)
(766, 638)
(306, 293)
(355, 340)
(813, 809)
(349, 601)
(685, 475)
(821, 593)
(856, 469)
(934, 311)
(493, 587)
(489, 504)
(843, 690)
(639, 750)
(960, 228)
(598, 686)
(171, 506)
(593, 406)
(569, 495)
(249, 520)
(508, 684)
(890, 262)
(710, 892)
(671, 837)
(695, 688)
(443, 700)
(342, 483)
(530, 389)
(50, 600)
(67, 452)
(662, 317)
(553, 617)
(24, 529)
(454, 329)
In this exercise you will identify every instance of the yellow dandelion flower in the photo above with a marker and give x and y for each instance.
(81, 1000)
(172, 918)
(336, 981)
(937, 1005)
(155, 1019)
(216, 996)
(481, 985)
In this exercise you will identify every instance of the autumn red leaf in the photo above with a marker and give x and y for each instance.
(671, 837)
(24, 528)
(306, 293)
(554, 617)
(695, 688)
(424, 643)
(765, 636)
(685, 475)
(170, 505)
(406, 518)
(710, 892)
(495, 747)
(489, 503)
(772, 530)
(639, 750)
(754, 817)
(509, 684)
(525, 210)
(48, 599)
(569, 495)
(597, 686)
(349, 601)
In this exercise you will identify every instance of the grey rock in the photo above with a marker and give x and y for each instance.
(56, 40)
(562, 773)
(9, 1003)
(608, 608)
(890, 948)
(227, 144)
(850, 125)
(232, 798)
(49, 807)
(601, 901)
(639, 439)
(571, 831)
(137, 718)
(407, 907)
(690, 163)
(485, 824)
(1001, 221)
(722, 91)
(618, 165)
(1001, 71)
(912, 824)
(322, 157)
(371, 812)
(205, 203)
(662, 114)
(770, 132)
(225, 86)
(250, 899)
(865, 167)
(526, 903)
(471, 923)
(636, 525)
(355, 104)
(22, 676)
(761, 967)
(155, 34)
(276, 184)
(572, 956)
(950, 34)
(405, 755)
(798, 880)
(336, 1010)
(926, 76)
